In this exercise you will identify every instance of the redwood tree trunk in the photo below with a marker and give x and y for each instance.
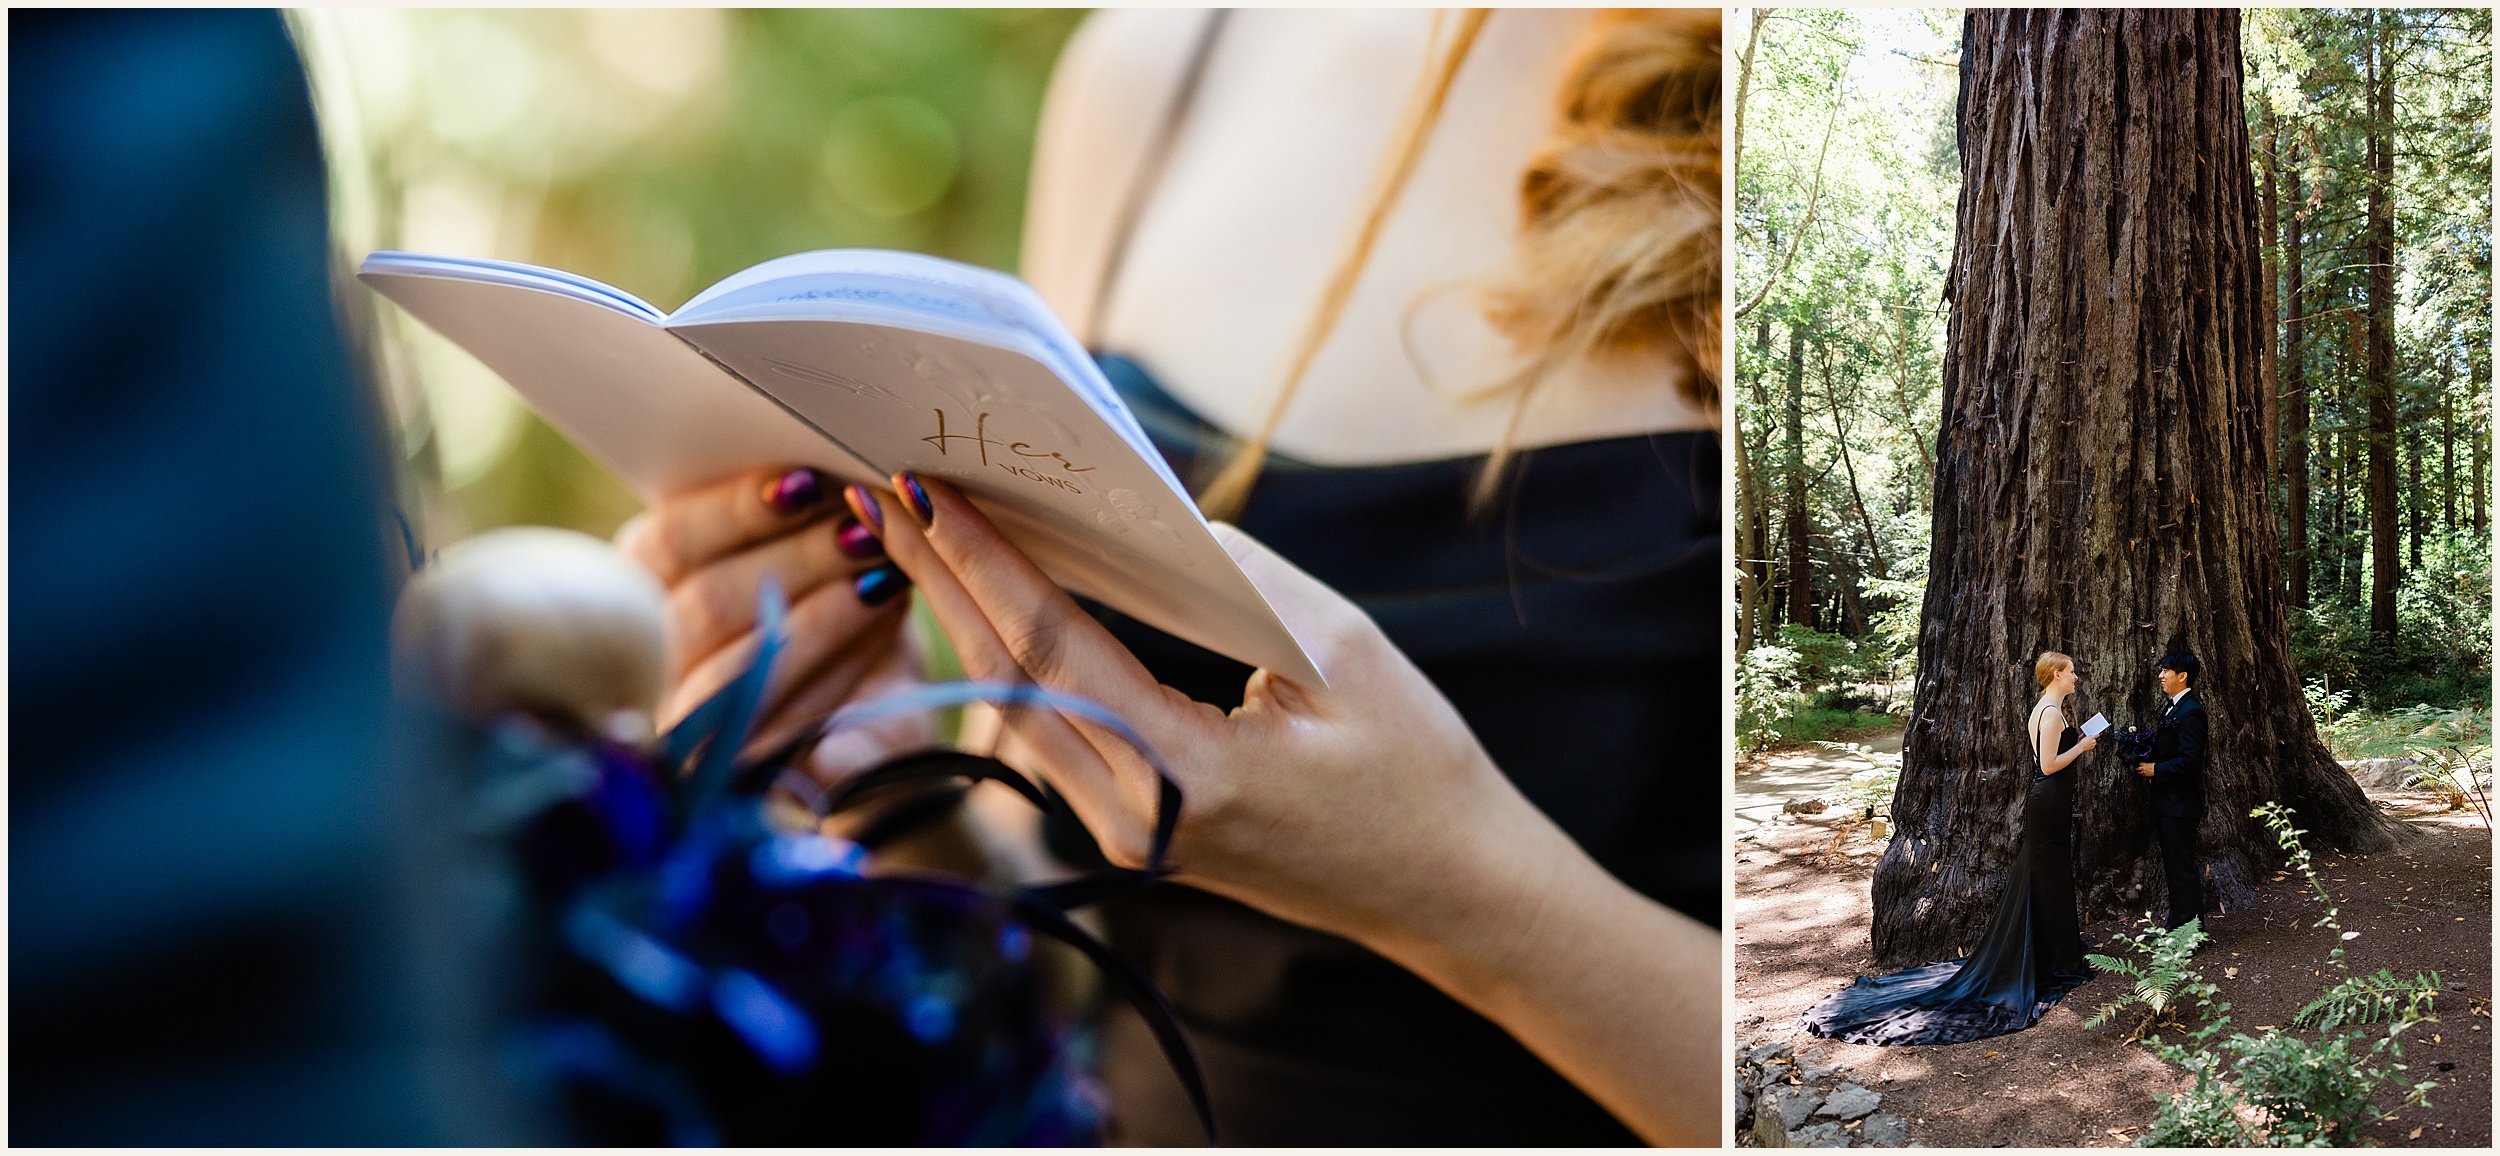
(2380, 255)
(2100, 485)
(2295, 405)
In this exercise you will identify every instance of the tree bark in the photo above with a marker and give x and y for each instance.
(2295, 404)
(1800, 527)
(2380, 256)
(2448, 446)
(2413, 498)
(1753, 563)
(2482, 454)
(2100, 485)
(2270, 356)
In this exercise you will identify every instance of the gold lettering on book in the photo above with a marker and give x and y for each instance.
(982, 441)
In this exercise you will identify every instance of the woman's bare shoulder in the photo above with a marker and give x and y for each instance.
(1108, 94)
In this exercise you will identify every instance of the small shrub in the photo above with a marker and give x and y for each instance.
(1822, 659)
(1766, 695)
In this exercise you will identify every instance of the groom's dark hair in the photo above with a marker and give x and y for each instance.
(2184, 663)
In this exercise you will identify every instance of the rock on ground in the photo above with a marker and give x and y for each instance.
(1848, 1102)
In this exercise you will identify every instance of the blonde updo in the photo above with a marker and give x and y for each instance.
(2050, 663)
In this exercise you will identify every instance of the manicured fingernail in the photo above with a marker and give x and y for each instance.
(879, 586)
(855, 540)
(866, 505)
(916, 498)
(795, 491)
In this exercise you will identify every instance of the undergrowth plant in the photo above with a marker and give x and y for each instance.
(2455, 754)
(2162, 983)
(2271, 1090)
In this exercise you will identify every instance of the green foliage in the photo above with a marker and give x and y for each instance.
(1844, 219)
(1766, 695)
(1821, 658)
(2278, 819)
(2441, 651)
(2277, 1090)
(2379, 998)
(2325, 706)
(2161, 981)
(2455, 750)
(1800, 690)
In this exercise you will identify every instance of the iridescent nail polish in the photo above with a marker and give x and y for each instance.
(918, 498)
(855, 539)
(879, 586)
(866, 504)
(795, 491)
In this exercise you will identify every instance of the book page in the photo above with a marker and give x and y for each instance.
(981, 408)
(649, 407)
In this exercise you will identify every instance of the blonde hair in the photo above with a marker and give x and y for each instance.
(2050, 663)
(1620, 213)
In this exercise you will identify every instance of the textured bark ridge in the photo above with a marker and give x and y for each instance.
(2100, 473)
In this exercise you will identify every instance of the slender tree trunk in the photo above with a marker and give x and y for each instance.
(1857, 497)
(2447, 447)
(1744, 90)
(1800, 525)
(1752, 556)
(2100, 480)
(1852, 602)
(2353, 527)
(2481, 455)
(2413, 499)
(2296, 405)
(2385, 573)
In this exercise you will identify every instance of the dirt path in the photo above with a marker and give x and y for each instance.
(1801, 933)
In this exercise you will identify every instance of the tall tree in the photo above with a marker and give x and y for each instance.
(1800, 521)
(2295, 404)
(1753, 556)
(2100, 477)
(2381, 259)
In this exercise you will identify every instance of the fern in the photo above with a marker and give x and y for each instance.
(2163, 981)
(2372, 999)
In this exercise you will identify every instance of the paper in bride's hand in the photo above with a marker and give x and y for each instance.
(864, 363)
(2092, 727)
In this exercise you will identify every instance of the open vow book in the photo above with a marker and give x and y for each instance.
(863, 363)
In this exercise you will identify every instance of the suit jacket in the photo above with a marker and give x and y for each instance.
(2179, 747)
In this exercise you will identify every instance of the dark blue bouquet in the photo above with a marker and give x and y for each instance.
(697, 973)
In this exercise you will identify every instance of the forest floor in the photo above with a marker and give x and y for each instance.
(1801, 933)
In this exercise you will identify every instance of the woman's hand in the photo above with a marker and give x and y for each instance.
(711, 546)
(2089, 742)
(1365, 808)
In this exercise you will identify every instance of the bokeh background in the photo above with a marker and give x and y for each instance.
(659, 151)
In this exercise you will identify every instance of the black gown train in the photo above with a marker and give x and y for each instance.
(2031, 955)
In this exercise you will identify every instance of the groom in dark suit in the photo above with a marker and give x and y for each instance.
(2178, 774)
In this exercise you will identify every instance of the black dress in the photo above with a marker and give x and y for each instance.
(1576, 629)
(2031, 955)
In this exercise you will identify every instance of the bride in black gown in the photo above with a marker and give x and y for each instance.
(2032, 953)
